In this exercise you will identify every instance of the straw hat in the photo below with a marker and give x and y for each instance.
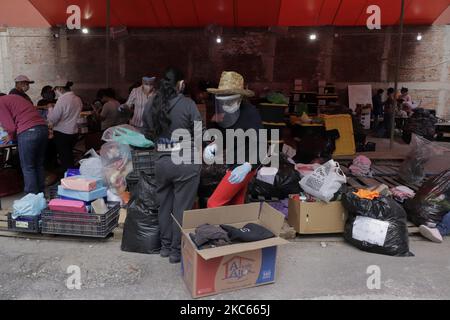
(231, 83)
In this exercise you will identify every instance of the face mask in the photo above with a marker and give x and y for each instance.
(26, 87)
(232, 108)
(230, 104)
(147, 88)
(181, 86)
(58, 94)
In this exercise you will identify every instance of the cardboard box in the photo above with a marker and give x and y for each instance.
(212, 271)
(316, 217)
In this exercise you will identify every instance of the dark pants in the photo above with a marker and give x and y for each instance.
(177, 189)
(64, 147)
(444, 226)
(32, 145)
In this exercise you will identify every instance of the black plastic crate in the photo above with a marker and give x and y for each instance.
(81, 224)
(25, 224)
(132, 182)
(143, 160)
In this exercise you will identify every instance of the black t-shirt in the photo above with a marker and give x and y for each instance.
(20, 93)
(249, 118)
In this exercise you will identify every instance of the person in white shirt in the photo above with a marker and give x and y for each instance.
(138, 99)
(64, 119)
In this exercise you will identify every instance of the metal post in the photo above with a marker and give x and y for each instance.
(108, 37)
(397, 70)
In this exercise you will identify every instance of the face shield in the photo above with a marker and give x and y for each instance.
(227, 110)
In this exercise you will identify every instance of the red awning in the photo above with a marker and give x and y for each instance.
(243, 13)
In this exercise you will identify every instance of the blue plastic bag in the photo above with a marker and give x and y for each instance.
(29, 206)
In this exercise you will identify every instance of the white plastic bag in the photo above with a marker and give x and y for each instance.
(325, 181)
(92, 167)
(31, 205)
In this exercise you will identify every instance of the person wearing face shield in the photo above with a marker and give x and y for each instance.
(233, 112)
(22, 86)
(177, 184)
(137, 101)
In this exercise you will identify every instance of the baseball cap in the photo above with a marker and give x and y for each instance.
(23, 78)
(149, 79)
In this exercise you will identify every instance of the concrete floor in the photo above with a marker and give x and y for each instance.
(32, 269)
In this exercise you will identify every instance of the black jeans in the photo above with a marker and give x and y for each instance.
(64, 147)
(32, 144)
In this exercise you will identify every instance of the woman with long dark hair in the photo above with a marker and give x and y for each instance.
(177, 183)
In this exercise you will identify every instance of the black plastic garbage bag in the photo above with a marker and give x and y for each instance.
(287, 181)
(145, 193)
(431, 202)
(412, 169)
(141, 232)
(210, 177)
(377, 226)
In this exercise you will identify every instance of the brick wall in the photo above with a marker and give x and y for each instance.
(266, 59)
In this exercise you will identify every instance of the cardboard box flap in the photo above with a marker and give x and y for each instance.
(212, 253)
(271, 218)
(222, 215)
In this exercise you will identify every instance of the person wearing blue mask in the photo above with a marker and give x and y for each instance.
(234, 112)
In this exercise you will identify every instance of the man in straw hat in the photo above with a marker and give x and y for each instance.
(233, 112)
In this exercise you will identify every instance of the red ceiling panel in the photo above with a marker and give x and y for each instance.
(140, 14)
(300, 12)
(257, 13)
(390, 12)
(424, 12)
(161, 13)
(55, 13)
(350, 11)
(243, 13)
(328, 11)
(182, 13)
(220, 12)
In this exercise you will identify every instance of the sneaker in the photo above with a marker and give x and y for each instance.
(431, 234)
(175, 258)
(165, 252)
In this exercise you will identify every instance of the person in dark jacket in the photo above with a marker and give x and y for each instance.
(234, 113)
(164, 115)
(377, 102)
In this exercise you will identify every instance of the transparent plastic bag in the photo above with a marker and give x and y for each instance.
(412, 169)
(109, 133)
(31, 205)
(117, 164)
(127, 135)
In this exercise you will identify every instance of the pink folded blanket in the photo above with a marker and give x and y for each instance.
(79, 184)
(71, 206)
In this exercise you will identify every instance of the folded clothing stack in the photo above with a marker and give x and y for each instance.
(210, 236)
(361, 167)
(70, 206)
(402, 193)
(82, 188)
